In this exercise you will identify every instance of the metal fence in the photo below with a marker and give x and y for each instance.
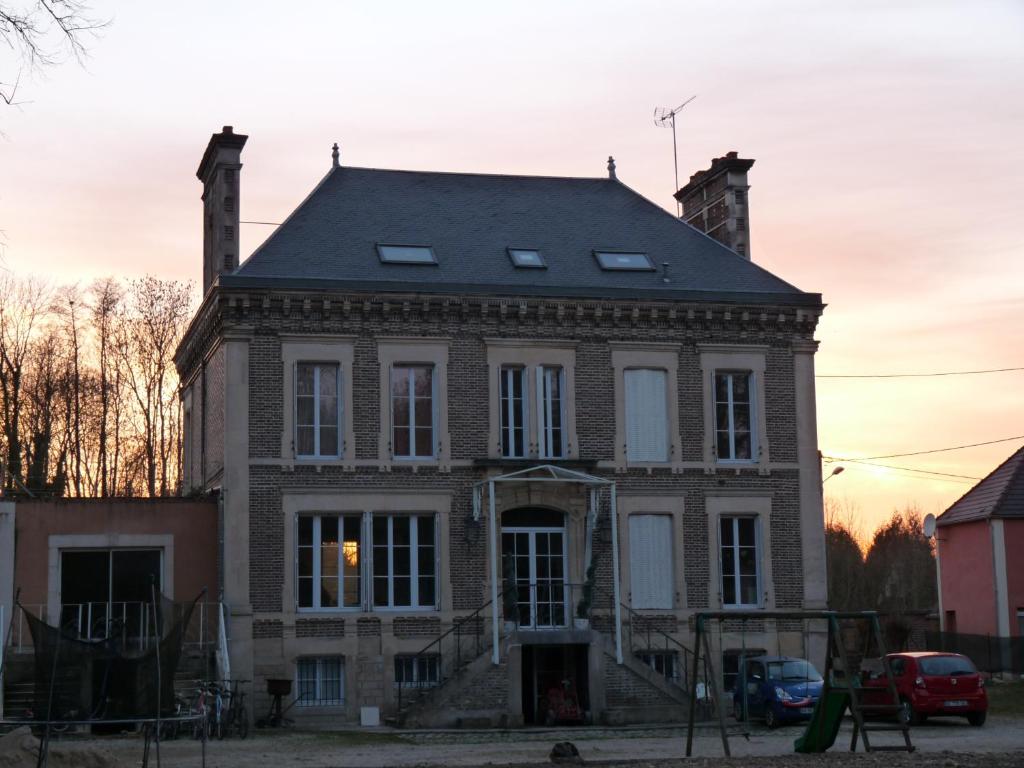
(990, 653)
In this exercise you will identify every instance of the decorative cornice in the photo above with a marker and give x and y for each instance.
(225, 309)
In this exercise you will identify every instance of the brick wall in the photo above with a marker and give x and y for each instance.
(592, 326)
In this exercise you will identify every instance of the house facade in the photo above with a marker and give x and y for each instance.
(480, 438)
(981, 581)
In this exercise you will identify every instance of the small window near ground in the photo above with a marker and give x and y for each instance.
(321, 681)
(406, 254)
(624, 261)
(417, 671)
(524, 257)
(665, 663)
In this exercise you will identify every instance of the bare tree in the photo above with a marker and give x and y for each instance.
(42, 33)
(23, 306)
(156, 316)
(845, 557)
(106, 300)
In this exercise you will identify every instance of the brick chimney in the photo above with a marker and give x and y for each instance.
(715, 202)
(219, 172)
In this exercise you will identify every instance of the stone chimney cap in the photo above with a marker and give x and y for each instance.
(731, 161)
(226, 139)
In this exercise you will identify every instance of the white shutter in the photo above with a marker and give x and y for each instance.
(650, 561)
(646, 415)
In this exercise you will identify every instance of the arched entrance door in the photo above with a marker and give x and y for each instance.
(533, 549)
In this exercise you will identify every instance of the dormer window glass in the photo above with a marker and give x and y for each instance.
(526, 258)
(628, 262)
(406, 254)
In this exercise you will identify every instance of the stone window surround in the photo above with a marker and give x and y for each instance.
(403, 350)
(187, 439)
(531, 354)
(58, 543)
(735, 357)
(719, 504)
(295, 502)
(337, 350)
(628, 504)
(665, 357)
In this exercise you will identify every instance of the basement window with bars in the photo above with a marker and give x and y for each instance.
(321, 681)
(665, 663)
(417, 671)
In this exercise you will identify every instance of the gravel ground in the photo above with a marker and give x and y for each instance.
(950, 744)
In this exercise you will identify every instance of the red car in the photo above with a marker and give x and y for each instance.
(931, 683)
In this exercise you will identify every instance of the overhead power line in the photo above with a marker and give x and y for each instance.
(933, 450)
(903, 469)
(910, 375)
(919, 476)
(268, 223)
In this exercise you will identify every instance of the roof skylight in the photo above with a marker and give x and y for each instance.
(624, 261)
(527, 258)
(406, 254)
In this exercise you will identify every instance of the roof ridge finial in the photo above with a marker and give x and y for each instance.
(611, 168)
(335, 156)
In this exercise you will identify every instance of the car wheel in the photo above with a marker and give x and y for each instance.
(908, 714)
(771, 719)
(737, 711)
(977, 719)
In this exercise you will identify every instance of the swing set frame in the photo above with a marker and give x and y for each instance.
(835, 650)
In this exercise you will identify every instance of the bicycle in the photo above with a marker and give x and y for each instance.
(200, 708)
(236, 717)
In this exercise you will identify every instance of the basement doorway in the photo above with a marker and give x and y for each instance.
(555, 684)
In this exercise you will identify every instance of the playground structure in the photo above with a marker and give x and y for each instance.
(108, 682)
(844, 670)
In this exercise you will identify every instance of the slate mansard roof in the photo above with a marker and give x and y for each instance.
(471, 219)
(1001, 494)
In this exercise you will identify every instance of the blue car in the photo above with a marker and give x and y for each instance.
(781, 689)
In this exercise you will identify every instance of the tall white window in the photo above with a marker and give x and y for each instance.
(550, 414)
(650, 561)
(329, 551)
(733, 421)
(513, 412)
(321, 681)
(646, 414)
(404, 561)
(412, 412)
(317, 410)
(740, 562)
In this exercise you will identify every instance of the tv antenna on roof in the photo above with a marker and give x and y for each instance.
(666, 118)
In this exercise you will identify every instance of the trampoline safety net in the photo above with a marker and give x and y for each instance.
(110, 679)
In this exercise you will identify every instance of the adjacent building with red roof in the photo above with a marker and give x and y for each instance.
(980, 553)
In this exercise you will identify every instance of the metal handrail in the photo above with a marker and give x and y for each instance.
(458, 624)
(671, 643)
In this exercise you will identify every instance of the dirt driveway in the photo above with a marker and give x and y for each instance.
(948, 744)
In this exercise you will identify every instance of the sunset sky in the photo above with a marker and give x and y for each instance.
(889, 140)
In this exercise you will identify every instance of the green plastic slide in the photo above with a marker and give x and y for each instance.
(823, 726)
